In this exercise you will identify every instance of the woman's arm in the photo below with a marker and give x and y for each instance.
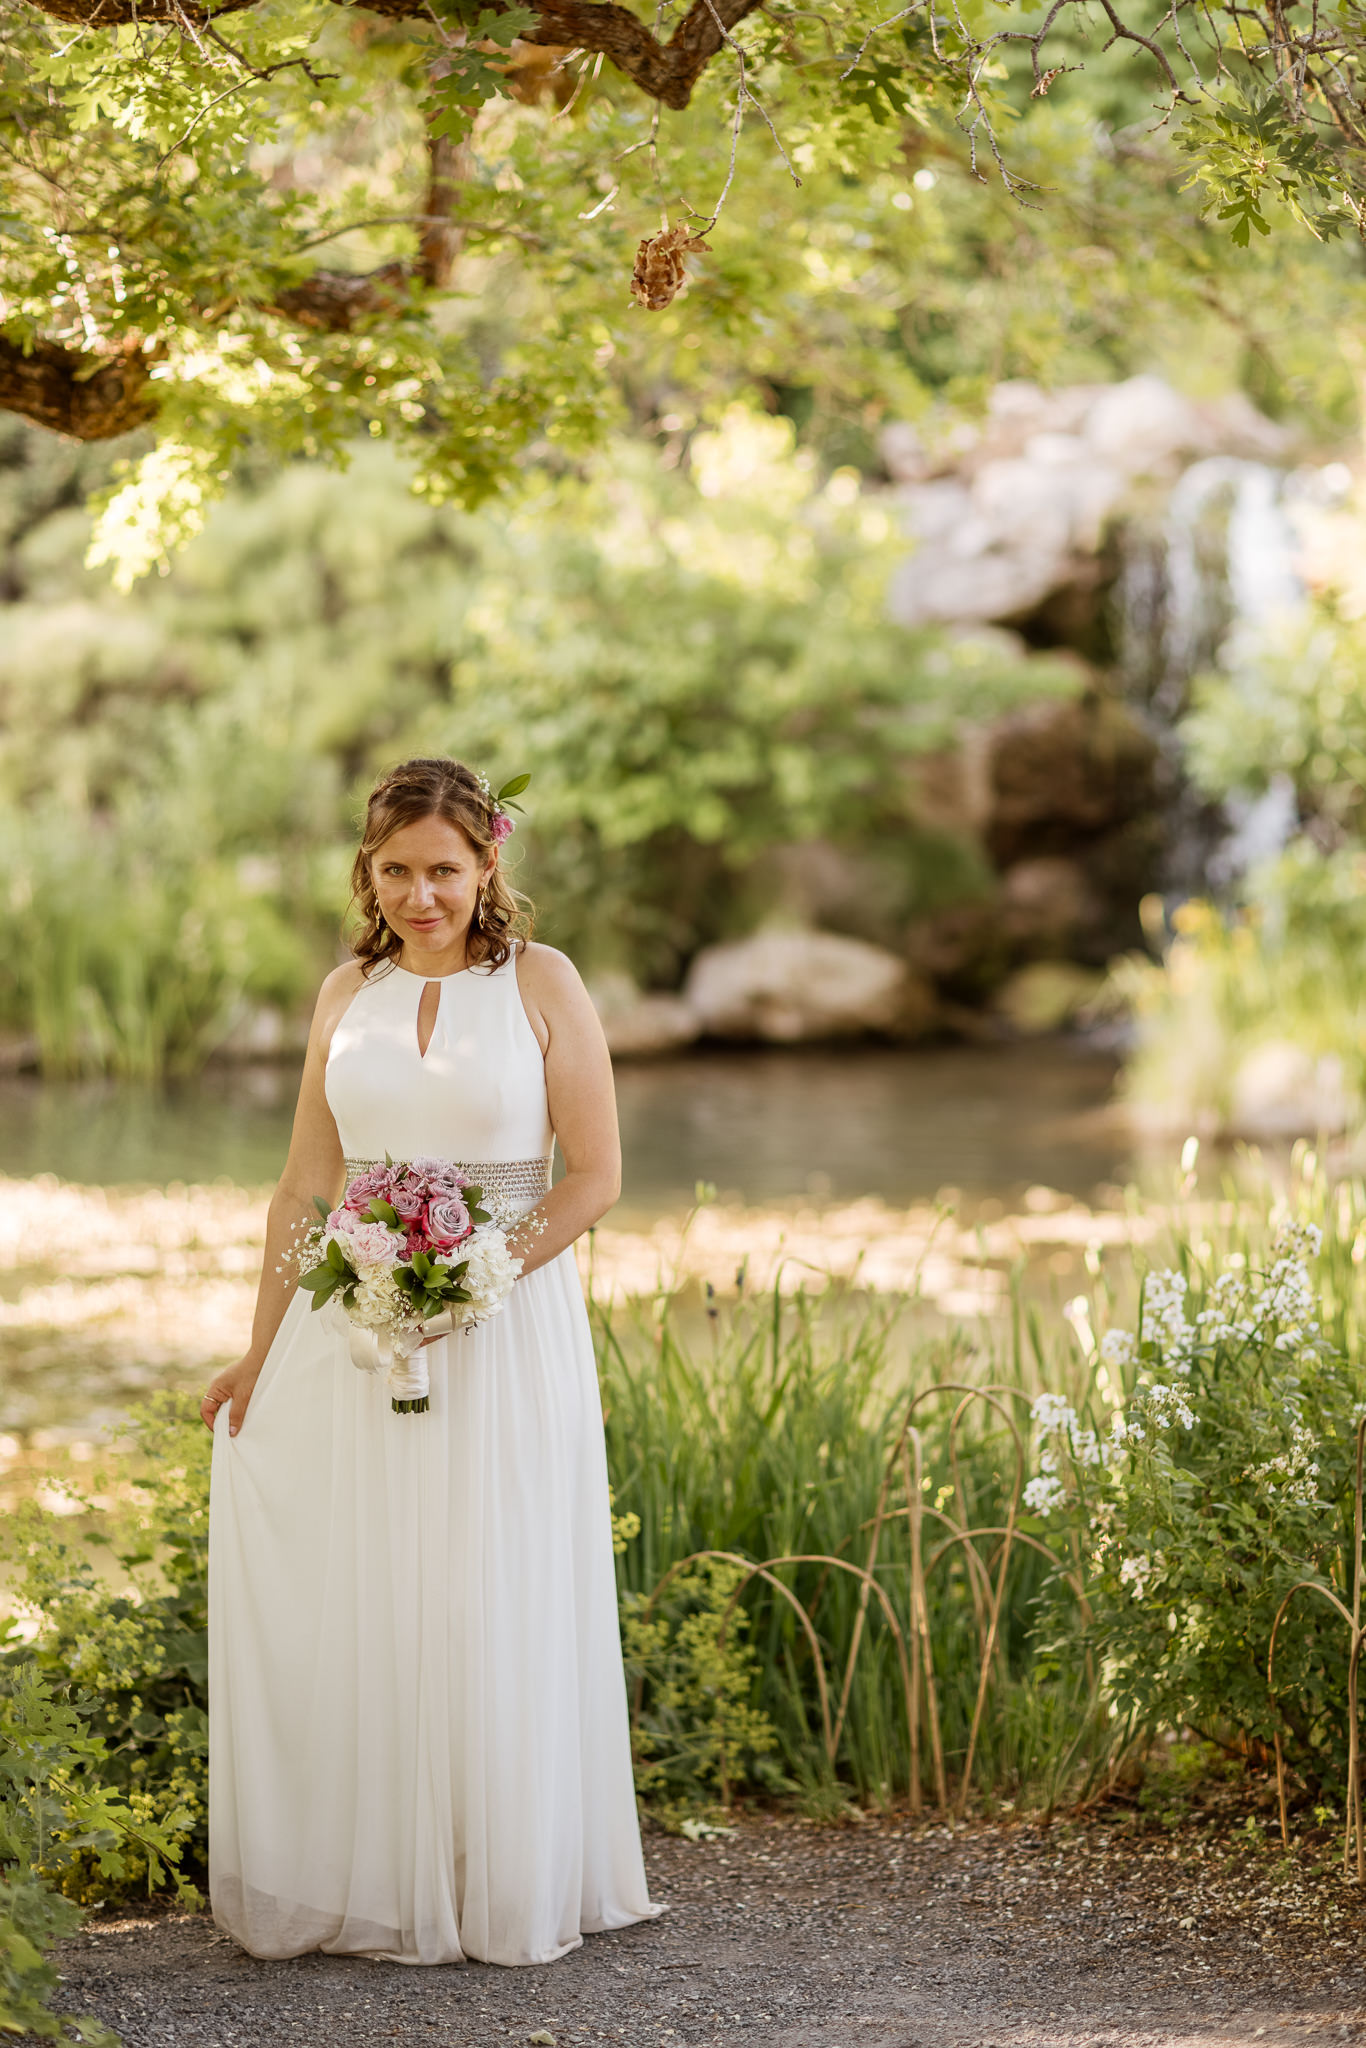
(314, 1167)
(583, 1105)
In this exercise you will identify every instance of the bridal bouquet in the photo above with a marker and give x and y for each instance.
(411, 1253)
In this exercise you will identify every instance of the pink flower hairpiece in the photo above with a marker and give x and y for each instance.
(501, 826)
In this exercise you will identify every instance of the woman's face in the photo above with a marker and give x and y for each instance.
(427, 878)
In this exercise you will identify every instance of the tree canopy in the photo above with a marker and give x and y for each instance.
(287, 223)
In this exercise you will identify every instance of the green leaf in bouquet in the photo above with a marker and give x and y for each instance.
(470, 1195)
(478, 1215)
(321, 1279)
(321, 1207)
(383, 1212)
(512, 789)
(336, 1258)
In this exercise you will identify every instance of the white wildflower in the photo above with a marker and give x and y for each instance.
(1297, 1241)
(1166, 1405)
(1041, 1496)
(1293, 1474)
(1053, 1414)
(1138, 1573)
(1119, 1348)
(1164, 1318)
(1086, 1448)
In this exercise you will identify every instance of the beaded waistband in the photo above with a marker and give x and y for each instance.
(502, 1180)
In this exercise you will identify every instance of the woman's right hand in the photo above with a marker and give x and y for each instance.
(233, 1387)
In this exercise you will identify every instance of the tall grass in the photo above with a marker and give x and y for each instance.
(128, 948)
(765, 1429)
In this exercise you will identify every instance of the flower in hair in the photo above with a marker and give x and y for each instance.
(501, 826)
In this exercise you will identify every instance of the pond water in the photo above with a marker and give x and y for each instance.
(760, 1126)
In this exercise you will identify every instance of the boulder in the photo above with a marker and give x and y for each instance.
(1046, 995)
(1282, 1090)
(261, 1031)
(1065, 768)
(18, 1052)
(789, 986)
(635, 1023)
(1045, 903)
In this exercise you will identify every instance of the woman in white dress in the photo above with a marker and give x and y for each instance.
(418, 1745)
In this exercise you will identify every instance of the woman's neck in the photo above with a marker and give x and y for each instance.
(436, 961)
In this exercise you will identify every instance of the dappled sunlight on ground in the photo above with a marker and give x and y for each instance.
(108, 1292)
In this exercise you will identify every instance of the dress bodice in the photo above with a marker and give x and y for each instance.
(478, 1092)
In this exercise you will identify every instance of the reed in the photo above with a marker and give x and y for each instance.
(874, 1472)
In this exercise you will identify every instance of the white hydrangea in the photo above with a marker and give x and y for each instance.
(489, 1272)
(377, 1303)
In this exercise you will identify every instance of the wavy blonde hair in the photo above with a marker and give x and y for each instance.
(435, 788)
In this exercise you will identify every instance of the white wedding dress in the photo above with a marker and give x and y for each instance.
(418, 1741)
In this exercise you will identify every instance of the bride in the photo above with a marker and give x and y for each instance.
(419, 1747)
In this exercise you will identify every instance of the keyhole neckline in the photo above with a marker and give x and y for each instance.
(433, 982)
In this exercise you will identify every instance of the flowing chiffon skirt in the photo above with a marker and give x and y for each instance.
(419, 1746)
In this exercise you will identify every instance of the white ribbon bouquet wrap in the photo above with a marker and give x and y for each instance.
(412, 1253)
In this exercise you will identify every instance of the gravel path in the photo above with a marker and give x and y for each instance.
(880, 1935)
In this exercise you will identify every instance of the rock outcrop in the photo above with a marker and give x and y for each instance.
(1010, 521)
(637, 1022)
(786, 986)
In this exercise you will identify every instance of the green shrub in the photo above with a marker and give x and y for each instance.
(120, 1606)
(64, 1829)
(1222, 1476)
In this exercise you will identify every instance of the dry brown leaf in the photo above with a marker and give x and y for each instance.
(660, 273)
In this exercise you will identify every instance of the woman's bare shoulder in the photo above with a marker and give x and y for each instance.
(545, 971)
(335, 995)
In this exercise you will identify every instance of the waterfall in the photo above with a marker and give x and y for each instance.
(1199, 591)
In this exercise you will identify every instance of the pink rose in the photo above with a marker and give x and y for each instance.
(438, 1173)
(407, 1201)
(365, 1187)
(369, 1244)
(501, 827)
(448, 1220)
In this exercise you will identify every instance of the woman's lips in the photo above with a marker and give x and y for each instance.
(425, 924)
